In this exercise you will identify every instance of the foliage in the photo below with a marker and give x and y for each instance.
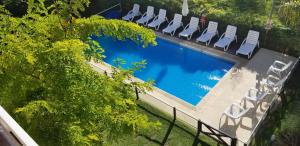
(50, 89)
(290, 12)
(180, 135)
(290, 127)
(245, 14)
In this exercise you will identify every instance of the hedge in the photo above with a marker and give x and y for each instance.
(246, 14)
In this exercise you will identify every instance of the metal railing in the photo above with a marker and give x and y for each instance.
(202, 127)
(110, 8)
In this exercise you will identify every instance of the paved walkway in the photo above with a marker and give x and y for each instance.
(231, 88)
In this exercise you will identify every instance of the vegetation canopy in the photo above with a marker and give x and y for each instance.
(47, 85)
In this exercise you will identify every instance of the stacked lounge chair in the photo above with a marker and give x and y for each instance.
(279, 67)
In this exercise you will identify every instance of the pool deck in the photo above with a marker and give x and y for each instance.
(230, 89)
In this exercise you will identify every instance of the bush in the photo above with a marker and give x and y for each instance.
(246, 14)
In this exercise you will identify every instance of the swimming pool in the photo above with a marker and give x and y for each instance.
(178, 70)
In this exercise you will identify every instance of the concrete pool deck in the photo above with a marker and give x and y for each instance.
(230, 89)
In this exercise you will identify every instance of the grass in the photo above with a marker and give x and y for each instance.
(179, 134)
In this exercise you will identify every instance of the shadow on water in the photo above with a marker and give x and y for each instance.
(161, 75)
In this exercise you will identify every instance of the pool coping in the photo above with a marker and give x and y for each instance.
(196, 47)
(256, 68)
(238, 61)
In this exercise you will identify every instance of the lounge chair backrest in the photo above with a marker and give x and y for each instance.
(194, 23)
(150, 11)
(252, 37)
(212, 27)
(230, 31)
(177, 20)
(136, 8)
(287, 66)
(162, 14)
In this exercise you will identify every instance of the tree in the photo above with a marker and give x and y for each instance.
(290, 12)
(49, 88)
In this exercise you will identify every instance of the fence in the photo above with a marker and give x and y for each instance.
(202, 127)
(178, 114)
(111, 12)
(187, 119)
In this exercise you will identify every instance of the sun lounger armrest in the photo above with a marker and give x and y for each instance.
(222, 36)
(244, 41)
(272, 77)
(170, 23)
(144, 15)
(187, 26)
(252, 90)
(166, 18)
(239, 106)
(205, 30)
(130, 12)
(279, 62)
(155, 18)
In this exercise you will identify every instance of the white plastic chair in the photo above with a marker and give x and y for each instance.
(249, 44)
(227, 38)
(132, 13)
(210, 32)
(279, 67)
(190, 29)
(274, 83)
(235, 111)
(255, 96)
(174, 25)
(158, 20)
(146, 16)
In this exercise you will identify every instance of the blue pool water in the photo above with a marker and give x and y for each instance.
(178, 70)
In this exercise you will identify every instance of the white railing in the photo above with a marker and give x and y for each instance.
(10, 125)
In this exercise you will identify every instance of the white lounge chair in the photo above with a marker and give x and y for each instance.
(208, 33)
(274, 83)
(132, 13)
(255, 96)
(227, 38)
(174, 25)
(249, 44)
(146, 16)
(279, 67)
(235, 111)
(158, 20)
(190, 29)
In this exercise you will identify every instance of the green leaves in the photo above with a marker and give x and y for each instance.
(290, 12)
(48, 85)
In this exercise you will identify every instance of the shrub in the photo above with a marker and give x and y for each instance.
(246, 14)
